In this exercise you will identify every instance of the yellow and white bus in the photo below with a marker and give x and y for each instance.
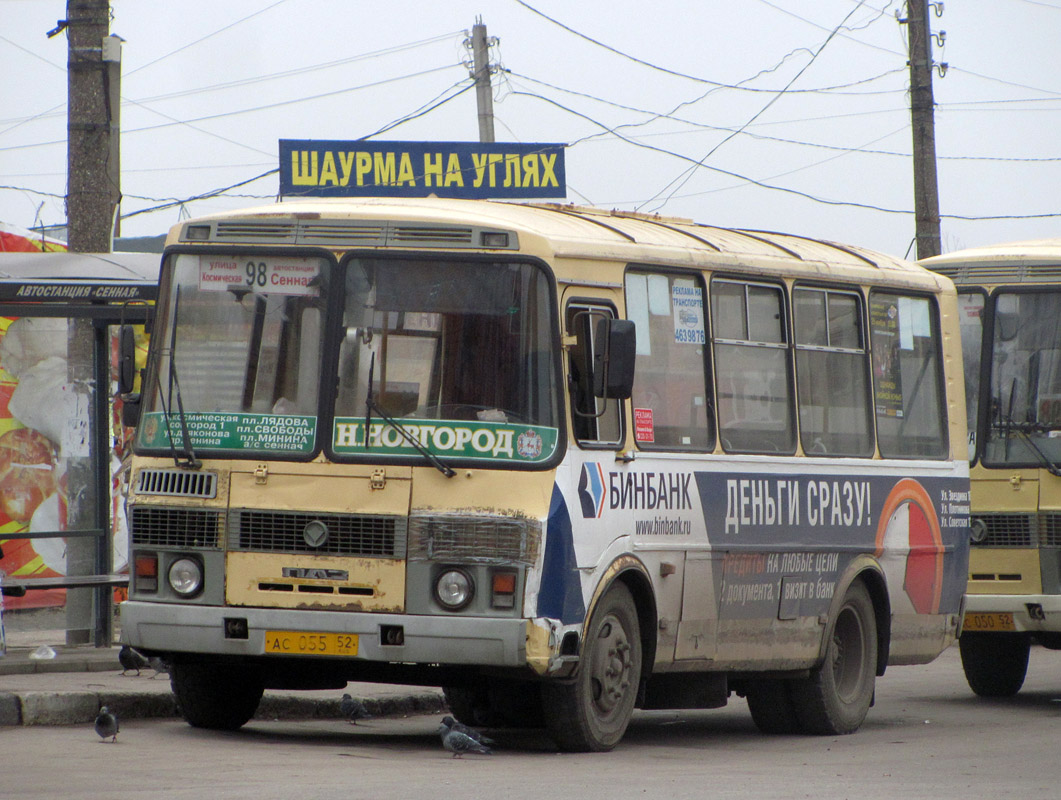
(1010, 304)
(559, 461)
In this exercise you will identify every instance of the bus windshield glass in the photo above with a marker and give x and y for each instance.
(239, 365)
(459, 356)
(1024, 427)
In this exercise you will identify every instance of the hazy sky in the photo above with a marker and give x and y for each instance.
(798, 110)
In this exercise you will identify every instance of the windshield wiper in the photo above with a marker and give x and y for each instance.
(190, 461)
(371, 405)
(1006, 423)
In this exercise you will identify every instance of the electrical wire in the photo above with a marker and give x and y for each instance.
(428, 107)
(182, 48)
(684, 177)
(507, 73)
(237, 112)
(762, 184)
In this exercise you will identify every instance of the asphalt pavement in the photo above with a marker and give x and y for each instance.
(70, 683)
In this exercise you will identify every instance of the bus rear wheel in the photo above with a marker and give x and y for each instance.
(995, 664)
(216, 696)
(591, 712)
(770, 703)
(835, 698)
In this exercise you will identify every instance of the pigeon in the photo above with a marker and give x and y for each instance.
(460, 727)
(107, 725)
(130, 659)
(353, 709)
(460, 743)
(159, 665)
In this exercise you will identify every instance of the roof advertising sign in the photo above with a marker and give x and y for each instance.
(501, 170)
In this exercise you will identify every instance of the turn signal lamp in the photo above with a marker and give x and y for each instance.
(145, 573)
(504, 590)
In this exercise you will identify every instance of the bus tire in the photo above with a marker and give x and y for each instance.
(835, 698)
(995, 664)
(770, 703)
(216, 696)
(590, 713)
(470, 705)
(496, 703)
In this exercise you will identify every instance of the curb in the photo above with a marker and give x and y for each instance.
(74, 708)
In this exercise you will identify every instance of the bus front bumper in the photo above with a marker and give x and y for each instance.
(175, 628)
(1031, 613)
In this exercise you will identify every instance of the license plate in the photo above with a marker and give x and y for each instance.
(992, 621)
(310, 643)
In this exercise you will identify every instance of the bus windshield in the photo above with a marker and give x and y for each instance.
(240, 362)
(1025, 413)
(467, 344)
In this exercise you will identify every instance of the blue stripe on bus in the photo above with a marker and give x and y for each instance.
(560, 593)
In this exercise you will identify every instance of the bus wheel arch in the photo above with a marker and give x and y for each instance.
(835, 697)
(867, 571)
(590, 711)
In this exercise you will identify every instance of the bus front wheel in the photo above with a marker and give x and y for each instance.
(770, 704)
(835, 698)
(590, 713)
(995, 664)
(216, 696)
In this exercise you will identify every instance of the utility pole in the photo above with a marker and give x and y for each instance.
(922, 110)
(484, 93)
(93, 75)
(92, 196)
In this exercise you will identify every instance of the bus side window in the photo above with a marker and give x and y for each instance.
(671, 403)
(595, 421)
(753, 371)
(907, 377)
(832, 373)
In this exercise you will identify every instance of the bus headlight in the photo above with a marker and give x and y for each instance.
(454, 589)
(186, 577)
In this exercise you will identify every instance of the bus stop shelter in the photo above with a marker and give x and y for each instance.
(63, 538)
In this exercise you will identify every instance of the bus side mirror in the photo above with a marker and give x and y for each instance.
(126, 359)
(614, 348)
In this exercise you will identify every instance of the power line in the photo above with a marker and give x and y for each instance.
(204, 38)
(300, 70)
(763, 184)
(238, 112)
(507, 73)
(428, 107)
(688, 173)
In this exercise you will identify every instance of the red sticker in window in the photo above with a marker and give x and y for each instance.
(643, 428)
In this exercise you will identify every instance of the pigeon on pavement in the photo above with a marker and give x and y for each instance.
(353, 709)
(107, 725)
(460, 743)
(130, 659)
(460, 727)
(159, 665)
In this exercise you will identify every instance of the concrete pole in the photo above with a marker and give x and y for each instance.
(922, 118)
(484, 93)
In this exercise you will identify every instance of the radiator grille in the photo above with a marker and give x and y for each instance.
(474, 538)
(1021, 530)
(176, 527)
(348, 534)
(176, 483)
